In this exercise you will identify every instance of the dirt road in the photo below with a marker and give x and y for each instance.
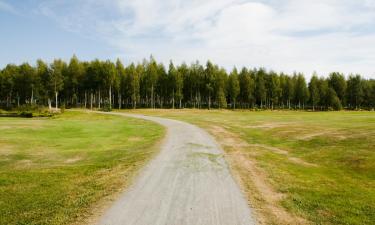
(187, 183)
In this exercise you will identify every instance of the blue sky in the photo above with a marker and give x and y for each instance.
(288, 35)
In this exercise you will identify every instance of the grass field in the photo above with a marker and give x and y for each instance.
(297, 167)
(57, 170)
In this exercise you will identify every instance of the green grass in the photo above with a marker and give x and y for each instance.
(56, 170)
(337, 186)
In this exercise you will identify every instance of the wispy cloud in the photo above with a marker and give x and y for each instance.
(6, 7)
(303, 35)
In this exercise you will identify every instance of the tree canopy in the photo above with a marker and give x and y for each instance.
(151, 84)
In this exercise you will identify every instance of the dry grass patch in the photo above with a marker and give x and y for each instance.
(135, 139)
(326, 167)
(253, 179)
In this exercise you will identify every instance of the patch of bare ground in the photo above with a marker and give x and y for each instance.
(327, 133)
(23, 164)
(5, 127)
(73, 160)
(135, 139)
(264, 199)
(268, 126)
(6, 149)
(232, 140)
(30, 124)
(270, 148)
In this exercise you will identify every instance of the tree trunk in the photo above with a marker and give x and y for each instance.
(49, 104)
(152, 96)
(119, 101)
(110, 97)
(32, 96)
(99, 99)
(56, 93)
(209, 101)
(91, 100)
(85, 99)
(173, 99)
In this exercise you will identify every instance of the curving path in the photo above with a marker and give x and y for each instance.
(187, 183)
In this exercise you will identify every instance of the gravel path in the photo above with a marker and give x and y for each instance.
(187, 183)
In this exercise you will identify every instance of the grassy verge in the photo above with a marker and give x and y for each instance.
(56, 170)
(297, 167)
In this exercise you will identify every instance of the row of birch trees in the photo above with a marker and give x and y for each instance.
(149, 84)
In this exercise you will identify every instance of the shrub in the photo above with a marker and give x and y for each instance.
(106, 107)
(26, 114)
(62, 107)
(336, 103)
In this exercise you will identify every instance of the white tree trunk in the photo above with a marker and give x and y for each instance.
(110, 97)
(91, 101)
(85, 99)
(209, 101)
(49, 104)
(119, 101)
(173, 99)
(32, 96)
(152, 96)
(56, 93)
(99, 99)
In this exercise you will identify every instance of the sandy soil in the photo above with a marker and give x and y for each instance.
(188, 183)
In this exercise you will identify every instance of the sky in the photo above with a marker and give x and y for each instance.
(282, 35)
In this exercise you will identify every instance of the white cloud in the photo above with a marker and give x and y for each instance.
(302, 35)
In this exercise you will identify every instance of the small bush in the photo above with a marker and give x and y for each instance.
(62, 107)
(106, 107)
(336, 103)
(26, 114)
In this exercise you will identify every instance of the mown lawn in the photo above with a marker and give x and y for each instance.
(320, 165)
(58, 170)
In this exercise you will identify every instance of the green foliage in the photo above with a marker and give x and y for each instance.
(233, 87)
(355, 91)
(333, 100)
(261, 91)
(62, 107)
(301, 92)
(314, 91)
(337, 82)
(26, 111)
(150, 84)
(106, 107)
(247, 89)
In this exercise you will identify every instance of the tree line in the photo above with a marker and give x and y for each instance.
(149, 84)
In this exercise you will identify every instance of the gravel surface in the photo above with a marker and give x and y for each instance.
(187, 183)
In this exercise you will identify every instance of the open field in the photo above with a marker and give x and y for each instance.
(58, 170)
(297, 167)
